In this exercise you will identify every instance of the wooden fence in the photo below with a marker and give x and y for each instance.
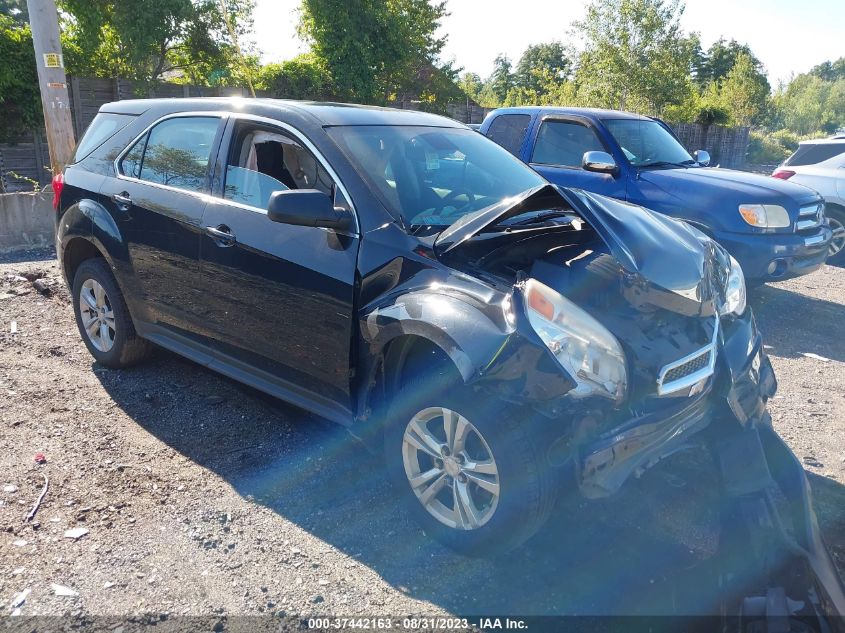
(25, 161)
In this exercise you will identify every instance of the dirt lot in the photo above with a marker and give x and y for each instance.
(201, 497)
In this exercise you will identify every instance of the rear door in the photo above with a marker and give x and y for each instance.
(558, 149)
(279, 298)
(157, 200)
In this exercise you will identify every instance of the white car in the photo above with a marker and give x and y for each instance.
(820, 165)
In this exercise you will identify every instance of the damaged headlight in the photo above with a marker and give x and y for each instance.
(735, 295)
(582, 345)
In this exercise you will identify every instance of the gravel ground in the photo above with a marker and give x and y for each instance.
(199, 496)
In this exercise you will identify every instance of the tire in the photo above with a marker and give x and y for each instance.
(494, 523)
(114, 342)
(836, 217)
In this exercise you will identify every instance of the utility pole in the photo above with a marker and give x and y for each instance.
(44, 22)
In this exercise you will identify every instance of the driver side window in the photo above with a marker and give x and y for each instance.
(563, 143)
(263, 160)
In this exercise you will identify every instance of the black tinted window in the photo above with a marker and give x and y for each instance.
(508, 130)
(102, 128)
(175, 153)
(564, 143)
(813, 154)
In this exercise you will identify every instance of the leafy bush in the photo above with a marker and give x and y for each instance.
(768, 148)
(19, 97)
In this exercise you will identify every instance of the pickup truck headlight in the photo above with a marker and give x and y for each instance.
(735, 295)
(582, 345)
(765, 216)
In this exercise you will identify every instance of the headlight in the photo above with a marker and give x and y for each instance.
(735, 297)
(765, 216)
(582, 345)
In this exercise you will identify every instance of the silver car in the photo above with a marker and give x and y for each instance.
(820, 165)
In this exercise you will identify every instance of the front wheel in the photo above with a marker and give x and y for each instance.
(467, 467)
(836, 219)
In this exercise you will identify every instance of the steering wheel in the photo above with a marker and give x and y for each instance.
(450, 197)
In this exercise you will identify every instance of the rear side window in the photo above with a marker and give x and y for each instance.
(564, 143)
(103, 127)
(175, 153)
(812, 154)
(508, 130)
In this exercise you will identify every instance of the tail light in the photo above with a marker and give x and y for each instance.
(783, 174)
(58, 185)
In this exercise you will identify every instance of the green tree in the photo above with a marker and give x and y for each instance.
(501, 79)
(744, 94)
(16, 10)
(472, 85)
(19, 97)
(720, 59)
(636, 56)
(147, 40)
(303, 77)
(376, 50)
(830, 71)
(542, 65)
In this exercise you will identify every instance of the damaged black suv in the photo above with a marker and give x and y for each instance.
(499, 338)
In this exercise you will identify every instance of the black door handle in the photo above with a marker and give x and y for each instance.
(123, 200)
(222, 235)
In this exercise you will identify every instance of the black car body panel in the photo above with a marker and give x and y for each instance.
(322, 318)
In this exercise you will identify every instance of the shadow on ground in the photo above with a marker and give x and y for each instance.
(647, 550)
(811, 322)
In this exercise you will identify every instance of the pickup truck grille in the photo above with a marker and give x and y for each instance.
(810, 217)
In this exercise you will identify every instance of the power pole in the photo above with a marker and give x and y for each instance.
(44, 22)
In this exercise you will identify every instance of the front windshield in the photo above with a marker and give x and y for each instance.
(647, 142)
(433, 176)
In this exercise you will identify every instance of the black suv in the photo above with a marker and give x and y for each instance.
(499, 338)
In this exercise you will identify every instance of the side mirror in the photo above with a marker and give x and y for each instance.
(306, 207)
(702, 157)
(600, 162)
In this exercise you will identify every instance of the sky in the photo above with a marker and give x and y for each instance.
(789, 37)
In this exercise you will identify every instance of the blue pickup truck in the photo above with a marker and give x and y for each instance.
(775, 229)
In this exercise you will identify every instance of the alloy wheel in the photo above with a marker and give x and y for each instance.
(97, 315)
(450, 468)
(838, 242)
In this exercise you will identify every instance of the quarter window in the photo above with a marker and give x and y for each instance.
(508, 130)
(564, 143)
(175, 153)
(812, 154)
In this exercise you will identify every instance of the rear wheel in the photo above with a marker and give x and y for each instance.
(103, 318)
(465, 466)
(836, 219)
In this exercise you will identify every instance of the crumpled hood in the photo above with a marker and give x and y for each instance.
(698, 187)
(669, 263)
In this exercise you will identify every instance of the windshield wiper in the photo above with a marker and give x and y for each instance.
(540, 217)
(667, 163)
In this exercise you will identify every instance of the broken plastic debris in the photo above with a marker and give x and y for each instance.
(14, 327)
(10, 488)
(76, 533)
(815, 356)
(19, 543)
(108, 585)
(19, 599)
(62, 591)
(40, 459)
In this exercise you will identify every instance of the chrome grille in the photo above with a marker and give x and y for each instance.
(690, 369)
(810, 216)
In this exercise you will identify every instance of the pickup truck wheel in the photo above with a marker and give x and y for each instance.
(465, 467)
(836, 219)
(103, 318)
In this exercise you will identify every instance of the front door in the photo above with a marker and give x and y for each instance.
(559, 147)
(279, 298)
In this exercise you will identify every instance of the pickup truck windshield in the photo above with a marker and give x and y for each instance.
(433, 176)
(648, 144)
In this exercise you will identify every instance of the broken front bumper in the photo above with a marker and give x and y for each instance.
(744, 380)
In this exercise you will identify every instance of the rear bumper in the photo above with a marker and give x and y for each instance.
(774, 257)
